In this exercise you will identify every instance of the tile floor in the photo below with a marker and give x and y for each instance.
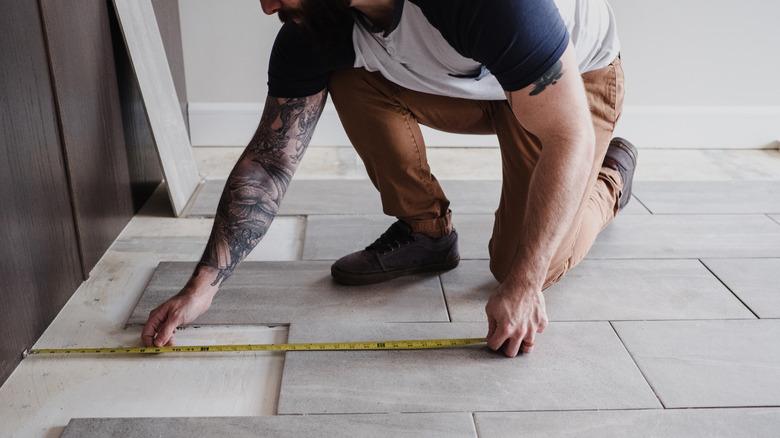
(672, 310)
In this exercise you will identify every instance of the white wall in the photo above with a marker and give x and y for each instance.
(226, 46)
(715, 53)
(698, 73)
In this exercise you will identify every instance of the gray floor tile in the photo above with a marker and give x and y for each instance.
(717, 197)
(635, 207)
(726, 363)
(576, 365)
(650, 423)
(331, 237)
(285, 292)
(629, 236)
(688, 236)
(754, 281)
(313, 426)
(356, 196)
(607, 290)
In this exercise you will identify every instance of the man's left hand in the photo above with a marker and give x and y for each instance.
(515, 316)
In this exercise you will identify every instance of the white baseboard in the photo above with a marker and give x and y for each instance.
(685, 127)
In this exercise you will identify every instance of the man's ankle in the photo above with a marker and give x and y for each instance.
(434, 229)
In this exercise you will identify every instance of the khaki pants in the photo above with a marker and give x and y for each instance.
(381, 120)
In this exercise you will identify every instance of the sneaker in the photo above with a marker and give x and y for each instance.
(622, 156)
(397, 252)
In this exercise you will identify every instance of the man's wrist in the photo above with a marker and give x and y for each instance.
(525, 277)
(202, 281)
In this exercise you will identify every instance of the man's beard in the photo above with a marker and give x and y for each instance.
(329, 21)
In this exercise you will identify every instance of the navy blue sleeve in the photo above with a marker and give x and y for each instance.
(299, 67)
(516, 40)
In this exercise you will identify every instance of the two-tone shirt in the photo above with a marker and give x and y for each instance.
(473, 49)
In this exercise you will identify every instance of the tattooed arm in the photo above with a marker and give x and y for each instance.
(249, 203)
(258, 182)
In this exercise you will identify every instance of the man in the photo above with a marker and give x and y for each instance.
(546, 78)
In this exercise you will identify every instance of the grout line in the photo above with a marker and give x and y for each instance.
(728, 288)
(693, 408)
(720, 257)
(185, 213)
(303, 238)
(567, 321)
(636, 364)
(532, 411)
(773, 219)
(281, 374)
(474, 424)
(642, 203)
(444, 295)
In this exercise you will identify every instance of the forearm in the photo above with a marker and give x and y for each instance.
(256, 186)
(556, 188)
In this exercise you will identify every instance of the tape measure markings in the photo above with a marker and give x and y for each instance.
(416, 344)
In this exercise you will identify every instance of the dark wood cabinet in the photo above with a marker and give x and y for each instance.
(77, 156)
(39, 258)
(85, 85)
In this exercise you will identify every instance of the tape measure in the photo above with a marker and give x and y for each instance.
(420, 344)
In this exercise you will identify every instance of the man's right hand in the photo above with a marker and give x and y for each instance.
(180, 309)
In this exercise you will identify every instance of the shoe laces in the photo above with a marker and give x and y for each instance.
(398, 235)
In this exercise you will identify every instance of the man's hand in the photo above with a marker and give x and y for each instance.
(515, 316)
(180, 309)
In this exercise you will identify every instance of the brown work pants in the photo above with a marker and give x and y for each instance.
(381, 120)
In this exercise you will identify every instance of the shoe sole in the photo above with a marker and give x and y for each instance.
(353, 279)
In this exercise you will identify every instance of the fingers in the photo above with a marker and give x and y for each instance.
(528, 341)
(165, 334)
(156, 317)
(513, 347)
(500, 334)
(159, 328)
(513, 340)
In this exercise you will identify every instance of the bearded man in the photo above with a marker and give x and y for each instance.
(544, 76)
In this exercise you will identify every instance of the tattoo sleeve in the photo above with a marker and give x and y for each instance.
(258, 181)
(551, 77)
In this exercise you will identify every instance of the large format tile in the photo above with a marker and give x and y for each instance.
(285, 292)
(184, 239)
(331, 237)
(708, 165)
(629, 236)
(708, 363)
(455, 425)
(44, 393)
(754, 281)
(688, 236)
(650, 423)
(574, 366)
(318, 162)
(339, 197)
(739, 197)
(344, 197)
(607, 290)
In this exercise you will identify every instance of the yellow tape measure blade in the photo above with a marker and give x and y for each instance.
(416, 344)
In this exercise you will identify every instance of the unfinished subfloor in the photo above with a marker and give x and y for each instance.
(670, 326)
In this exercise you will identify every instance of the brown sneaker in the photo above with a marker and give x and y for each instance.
(397, 252)
(622, 156)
